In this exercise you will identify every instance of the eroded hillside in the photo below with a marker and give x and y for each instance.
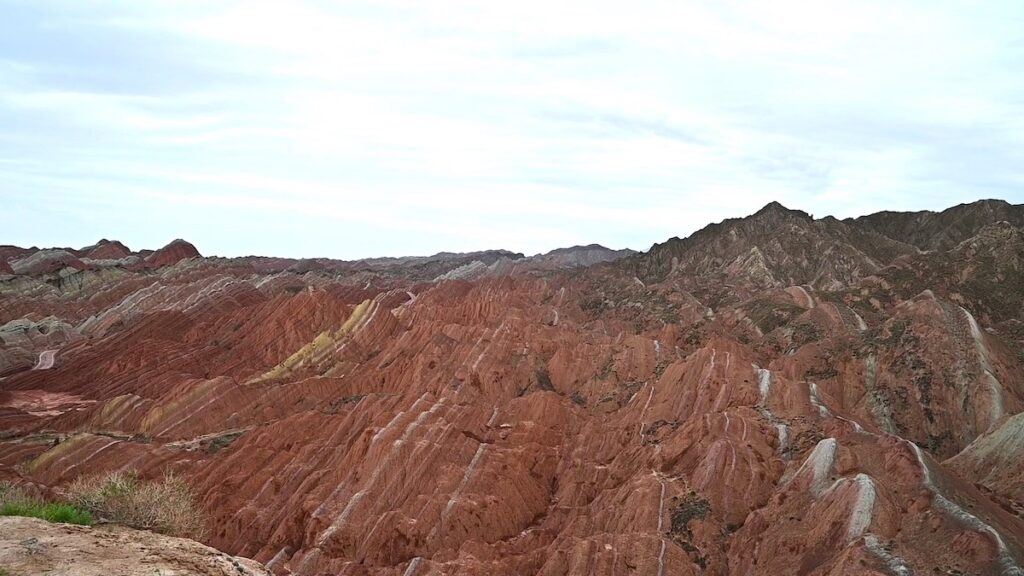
(773, 395)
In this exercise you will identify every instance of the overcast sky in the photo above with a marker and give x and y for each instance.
(351, 129)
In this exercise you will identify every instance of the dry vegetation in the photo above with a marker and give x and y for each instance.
(166, 505)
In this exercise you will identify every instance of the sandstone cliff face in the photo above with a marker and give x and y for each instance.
(595, 420)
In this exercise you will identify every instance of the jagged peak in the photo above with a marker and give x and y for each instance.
(773, 205)
(776, 208)
(177, 242)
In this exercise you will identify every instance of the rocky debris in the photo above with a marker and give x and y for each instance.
(31, 546)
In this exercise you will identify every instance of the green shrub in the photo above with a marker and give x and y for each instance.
(49, 511)
(14, 501)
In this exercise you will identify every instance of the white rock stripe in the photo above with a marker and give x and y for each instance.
(1007, 563)
(994, 386)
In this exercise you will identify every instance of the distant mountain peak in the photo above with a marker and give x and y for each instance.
(773, 205)
(777, 209)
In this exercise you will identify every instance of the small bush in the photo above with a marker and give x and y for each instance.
(14, 501)
(166, 505)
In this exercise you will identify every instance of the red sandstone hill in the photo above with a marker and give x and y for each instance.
(107, 250)
(773, 395)
(172, 253)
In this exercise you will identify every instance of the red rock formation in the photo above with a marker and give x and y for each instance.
(172, 253)
(586, 421)
(107, 250)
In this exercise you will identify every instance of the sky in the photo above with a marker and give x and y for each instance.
(355, 129)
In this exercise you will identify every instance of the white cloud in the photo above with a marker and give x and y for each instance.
(361, 129)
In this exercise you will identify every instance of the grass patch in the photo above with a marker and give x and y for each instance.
(15, 501)
(49, 511)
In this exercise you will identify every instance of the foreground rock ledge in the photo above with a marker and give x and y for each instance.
(31, 546)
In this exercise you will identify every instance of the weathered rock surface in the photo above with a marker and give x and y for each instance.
(29, 546)
(843, 403)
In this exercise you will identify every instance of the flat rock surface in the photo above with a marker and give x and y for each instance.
(29, 546)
